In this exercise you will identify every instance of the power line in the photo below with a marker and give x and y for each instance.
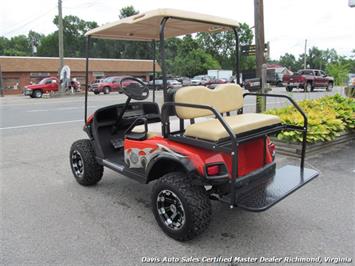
(28, 22)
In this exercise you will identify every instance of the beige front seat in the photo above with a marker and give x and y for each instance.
(224, 98)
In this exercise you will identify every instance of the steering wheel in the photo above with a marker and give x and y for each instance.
(135, 88)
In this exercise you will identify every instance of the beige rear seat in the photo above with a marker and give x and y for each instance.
(214, 131)
(224, 98)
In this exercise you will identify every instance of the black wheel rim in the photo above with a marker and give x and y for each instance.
(77, 163)
(170, 209)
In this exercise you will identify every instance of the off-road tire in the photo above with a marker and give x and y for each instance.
(308, 87)
(92, 171)
(330, 86)
(289, 89)
(106, 90)
(195, 202)
(37, 94)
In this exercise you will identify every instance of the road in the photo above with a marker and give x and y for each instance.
(47, 218)
(20, 111)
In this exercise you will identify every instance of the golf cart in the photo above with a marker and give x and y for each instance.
(213, 151)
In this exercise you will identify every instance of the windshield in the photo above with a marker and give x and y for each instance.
(108, 79)
(198, 77)
(43, 81)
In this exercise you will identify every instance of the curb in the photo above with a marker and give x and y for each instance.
(294, 149)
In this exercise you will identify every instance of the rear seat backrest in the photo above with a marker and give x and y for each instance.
(224, 98)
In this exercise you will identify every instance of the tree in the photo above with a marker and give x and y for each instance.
(339, 70)
(289, 61)
(221, 45)
(127, 12)
(74, 31)
(193, 63)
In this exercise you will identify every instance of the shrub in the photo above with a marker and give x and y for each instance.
(327, 118)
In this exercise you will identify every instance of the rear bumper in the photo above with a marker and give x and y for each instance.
(293, 84)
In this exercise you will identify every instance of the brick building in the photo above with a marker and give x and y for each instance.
(18, 71)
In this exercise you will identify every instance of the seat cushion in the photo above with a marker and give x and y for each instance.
(224, 98)
(214, 131)
(154, 129)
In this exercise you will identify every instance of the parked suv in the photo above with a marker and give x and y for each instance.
(308, 80)
(108, 85)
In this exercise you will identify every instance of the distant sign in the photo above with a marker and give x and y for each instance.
(39, 74)
(98, 74)
(251, 50)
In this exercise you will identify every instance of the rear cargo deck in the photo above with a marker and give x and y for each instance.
(262, 193)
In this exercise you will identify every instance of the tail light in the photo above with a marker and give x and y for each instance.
(272, 149)
(89, 119)
(213, 170)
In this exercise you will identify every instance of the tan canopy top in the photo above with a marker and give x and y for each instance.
(146, 26)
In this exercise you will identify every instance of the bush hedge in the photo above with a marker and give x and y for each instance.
(328, 117)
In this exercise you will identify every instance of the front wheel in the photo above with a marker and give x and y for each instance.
(289, 89)
(37, 94)
(308, 87)
(106, 90)
(84, 166)
(181, 209)
(330, 86)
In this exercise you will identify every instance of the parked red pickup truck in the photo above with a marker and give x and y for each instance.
(109, 84)
(44, 86)
(308, 80)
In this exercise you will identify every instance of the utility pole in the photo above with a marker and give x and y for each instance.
(259, 49)
(305, 55)
(60, 37)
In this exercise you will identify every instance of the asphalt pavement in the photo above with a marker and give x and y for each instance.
(21, 111)
(47, 218)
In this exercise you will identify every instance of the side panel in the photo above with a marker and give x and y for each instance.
(140, 154)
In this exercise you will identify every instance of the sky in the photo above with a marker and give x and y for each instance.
(324, 23)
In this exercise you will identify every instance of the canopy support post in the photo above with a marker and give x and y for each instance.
(154, 62)
(237, 62)
(162, 56)
(87, 49)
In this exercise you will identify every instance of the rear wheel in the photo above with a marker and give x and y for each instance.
(106, 90)
(37, 94)
(84, 166)
(330, 86)
(289, 89)
(96, 92)
(308, 87)
(181, 209)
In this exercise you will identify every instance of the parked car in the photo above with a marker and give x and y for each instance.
(158, 84)
(108, 85)
(171, 84)
(308, 80)
(185, 81)
(213, 83)
(44, 86)
(200, 80)
(351, 81)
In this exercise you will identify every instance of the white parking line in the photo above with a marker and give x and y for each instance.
(42, 124)
(38, 110)
(59, 109)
